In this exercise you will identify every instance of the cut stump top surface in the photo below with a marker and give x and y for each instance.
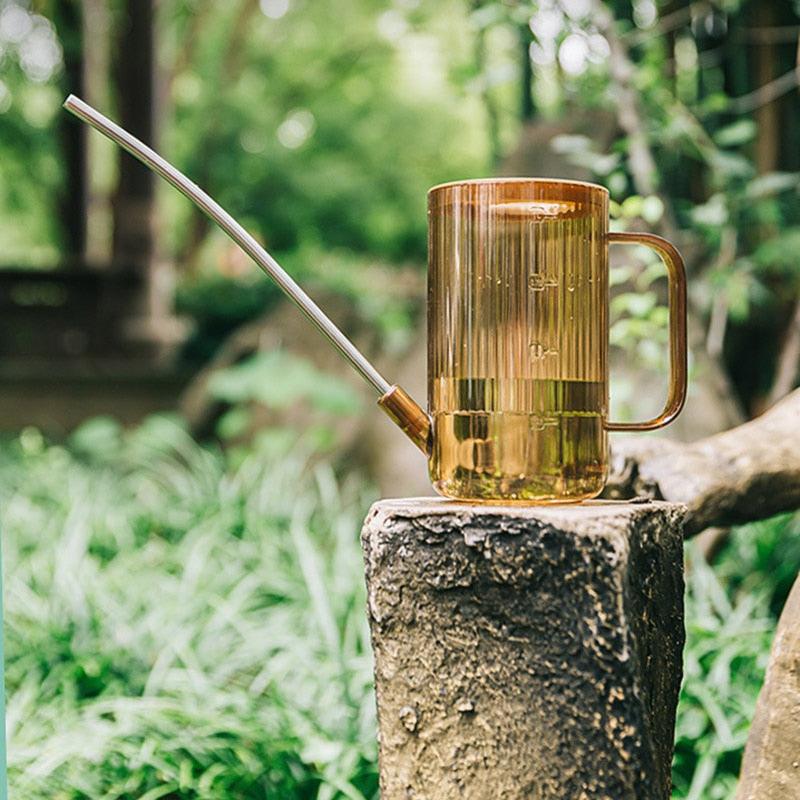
(592, 516)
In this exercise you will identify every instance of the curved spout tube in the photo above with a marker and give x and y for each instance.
(407, 414)
(236, 232)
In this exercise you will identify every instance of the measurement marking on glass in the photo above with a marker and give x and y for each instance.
(539, 350)
(540, 423)
(538, 281)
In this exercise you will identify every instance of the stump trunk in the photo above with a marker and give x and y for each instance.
(525, 652)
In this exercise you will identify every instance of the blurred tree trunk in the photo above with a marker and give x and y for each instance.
(673, 18)
(480, 57)
(734, 63)
(767, 116)
(775, 104)
(717, 392)
(527, 109)
(709, 28)
(667, 10)
(66, 16)
(788, 362)
(133, 243)
(230, 67)
(97, 91)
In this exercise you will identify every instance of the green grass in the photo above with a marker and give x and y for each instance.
(177, 629)
(182, 624)
(731, 614)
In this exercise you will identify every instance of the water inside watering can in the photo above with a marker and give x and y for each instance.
(559, 440)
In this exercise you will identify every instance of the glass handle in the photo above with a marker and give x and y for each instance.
(676, 273)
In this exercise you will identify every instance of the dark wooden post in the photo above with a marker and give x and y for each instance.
(72, 201)
(132, 208)
(525, 652)
(527, 109)
(135, 242)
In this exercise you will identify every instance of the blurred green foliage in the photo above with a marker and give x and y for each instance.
(731, 612)
(178, 616)
(316, 130)
(31, 170)
(320, 125)
(217, 306)
(180, 628)
(314, 123)
(285, 384)
(279, 380)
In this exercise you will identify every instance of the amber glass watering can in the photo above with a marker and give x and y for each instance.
(517, 331)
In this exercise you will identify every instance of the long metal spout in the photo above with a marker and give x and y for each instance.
(407, 414)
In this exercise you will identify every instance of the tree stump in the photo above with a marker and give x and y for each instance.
(525, 652)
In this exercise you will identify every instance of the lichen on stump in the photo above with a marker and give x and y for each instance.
(525, 652)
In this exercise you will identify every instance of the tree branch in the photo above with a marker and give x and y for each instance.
(747, 473)
(199, 225)
(643, 168)
(640, 157)
(480, 55)
(188, 47)
(765, 94)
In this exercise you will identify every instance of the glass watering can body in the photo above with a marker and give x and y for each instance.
(518, 339)
(517, 332)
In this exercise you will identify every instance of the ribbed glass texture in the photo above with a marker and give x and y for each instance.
(518, 339)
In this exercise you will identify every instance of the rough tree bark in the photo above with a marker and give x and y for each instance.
(771, 766)
(525, 652)
(747, 473)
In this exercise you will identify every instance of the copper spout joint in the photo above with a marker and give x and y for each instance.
(406, 413)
